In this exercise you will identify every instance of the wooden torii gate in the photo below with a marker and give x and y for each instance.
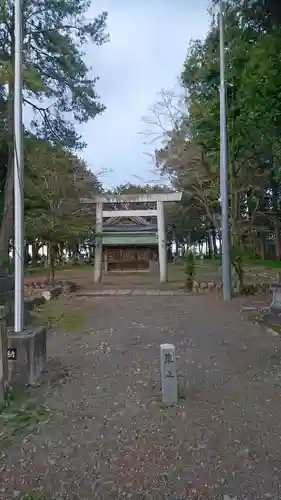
(158, 198)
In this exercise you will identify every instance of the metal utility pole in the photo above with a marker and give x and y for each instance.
(224, 194)
(18, 173)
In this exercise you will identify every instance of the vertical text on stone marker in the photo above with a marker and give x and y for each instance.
(169, 382)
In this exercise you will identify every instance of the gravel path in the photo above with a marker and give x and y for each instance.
(111, 438)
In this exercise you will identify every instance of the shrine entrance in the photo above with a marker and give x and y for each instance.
(128, 259)
(134, 244)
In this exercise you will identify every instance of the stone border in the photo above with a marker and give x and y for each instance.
(132, 292)
(262, 288)
(261, 317)
(197, 289)
(32, 303)
(67, 286)
(52, 293)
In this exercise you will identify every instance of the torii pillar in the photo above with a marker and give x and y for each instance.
(162, 248)
(98, 245)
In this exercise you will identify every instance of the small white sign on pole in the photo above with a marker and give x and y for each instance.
(169, 382)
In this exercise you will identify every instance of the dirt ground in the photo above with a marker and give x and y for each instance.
(108, 436)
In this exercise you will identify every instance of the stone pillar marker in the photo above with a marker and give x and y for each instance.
(276, 296)
(169, 381)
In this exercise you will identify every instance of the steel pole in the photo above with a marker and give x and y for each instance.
(224, 193)
(18, 174)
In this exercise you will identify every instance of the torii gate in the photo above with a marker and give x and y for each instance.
(158, 198)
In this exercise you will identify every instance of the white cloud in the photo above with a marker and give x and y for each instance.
(149, 40)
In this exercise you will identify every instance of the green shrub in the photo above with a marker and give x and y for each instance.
(189, 269)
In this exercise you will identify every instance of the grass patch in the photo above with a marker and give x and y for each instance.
(269, 264)
(275, 328)
(43, 271)
(64, 314)
(214, 262)
(31, 496)
(20, 416)
(176, 284)
(35, 271)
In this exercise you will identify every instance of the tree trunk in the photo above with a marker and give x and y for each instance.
(7, 221)
(26, 253)
(60, 253)
(6, 230)
(51, 263)
(220, 240)
(262, 246)
(210, 244)
(35, 252)
(277, 240)
(275, 207)
(214, 240)
(177, 249)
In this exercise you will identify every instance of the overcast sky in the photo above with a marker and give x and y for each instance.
(147, 48)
